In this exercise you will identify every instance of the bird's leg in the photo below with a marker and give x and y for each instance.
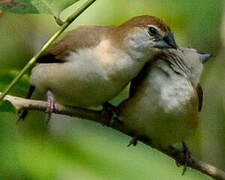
(187, 157)
(110, 114)
(187, 161)
(51, 104)
(133, 141)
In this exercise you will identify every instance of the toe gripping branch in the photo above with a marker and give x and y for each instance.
(186, 159)
(133, 141)
(110, 114)
(51, 105)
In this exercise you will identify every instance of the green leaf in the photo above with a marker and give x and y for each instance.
(21, 88)
(6, 106)
(54, 7)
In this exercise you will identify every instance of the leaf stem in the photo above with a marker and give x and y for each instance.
(69, 20)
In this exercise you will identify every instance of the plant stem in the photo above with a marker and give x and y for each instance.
(69, 20)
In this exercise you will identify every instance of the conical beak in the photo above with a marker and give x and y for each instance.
(167, 42)
(170, 40)
(205, 57)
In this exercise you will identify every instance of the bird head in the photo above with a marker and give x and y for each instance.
(188, 62)
(194, 62)
(144, 35)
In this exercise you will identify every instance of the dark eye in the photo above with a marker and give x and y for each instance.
(152, 30)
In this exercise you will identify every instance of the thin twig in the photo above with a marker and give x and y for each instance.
(69, 20)
(21, 104)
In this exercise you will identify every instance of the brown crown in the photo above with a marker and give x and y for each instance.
(145, 20)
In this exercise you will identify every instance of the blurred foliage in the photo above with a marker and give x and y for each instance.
(71, 148)
(35, 6)
(21, 88)
(6, 106)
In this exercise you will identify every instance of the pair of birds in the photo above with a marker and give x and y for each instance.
(92, 64)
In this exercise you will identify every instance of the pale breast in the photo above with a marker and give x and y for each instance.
(164, 107)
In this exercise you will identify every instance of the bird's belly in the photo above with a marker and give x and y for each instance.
(165, 119)
(167, 129)
(163, 130)
(79, 85)
(85, 93)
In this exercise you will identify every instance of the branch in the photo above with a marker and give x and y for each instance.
(69, 20)
(21, 104)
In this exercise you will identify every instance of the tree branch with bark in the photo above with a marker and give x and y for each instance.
(97, 116)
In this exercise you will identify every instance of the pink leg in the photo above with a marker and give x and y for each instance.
(51, 104)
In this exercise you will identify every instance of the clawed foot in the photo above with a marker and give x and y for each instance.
(110, 114)
(187, 158)
(133, 141)
(51, 105)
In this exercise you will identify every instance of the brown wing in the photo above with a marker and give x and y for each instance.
(82, 37)
(200, 96)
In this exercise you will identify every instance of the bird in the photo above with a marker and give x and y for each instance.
(92, 64)
(166, 98)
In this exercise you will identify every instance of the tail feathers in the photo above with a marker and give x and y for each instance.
(23, 115)
(25, 112)
(30, 92)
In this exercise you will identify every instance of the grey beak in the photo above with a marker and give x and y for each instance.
(170, 40)
(167, 42)
(205, 56)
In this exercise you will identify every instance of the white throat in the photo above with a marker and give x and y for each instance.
(138, 45)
